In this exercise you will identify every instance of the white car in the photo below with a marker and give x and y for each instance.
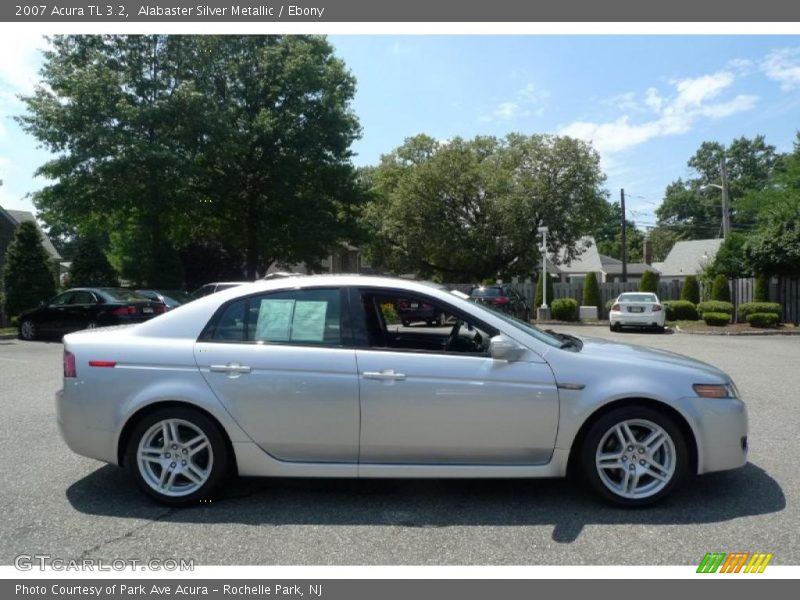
(637, 309)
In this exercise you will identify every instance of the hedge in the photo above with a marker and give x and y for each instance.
(691, 290)
(565, 309)
(716, 319)
(680, 310)
(761, 293)
(720, 291)
(763, 319)
(714, 307)
(750, 308)
(591, 291)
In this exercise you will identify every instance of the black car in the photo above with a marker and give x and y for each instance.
(170, 298)
(213, 288)
(503, 298)
(86, 308)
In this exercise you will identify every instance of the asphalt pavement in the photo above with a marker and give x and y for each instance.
(54, 502)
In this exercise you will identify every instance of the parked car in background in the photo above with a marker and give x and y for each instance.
(87, 308)
(212, 288)
(169, 298)
(503, 298)
(302, 377)
(637, 309)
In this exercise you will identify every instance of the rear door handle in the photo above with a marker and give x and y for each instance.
(232, 369)
(384, 375)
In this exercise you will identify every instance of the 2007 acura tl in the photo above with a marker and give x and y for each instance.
(317, 377)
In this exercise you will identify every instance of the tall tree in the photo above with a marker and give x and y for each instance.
(470, 209)
(28, 276)
(608, 235)
(90, 266)
(239, 139)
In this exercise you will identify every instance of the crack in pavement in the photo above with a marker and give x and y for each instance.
(129, 533)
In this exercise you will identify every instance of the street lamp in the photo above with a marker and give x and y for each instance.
(543, 231)
(726, 218)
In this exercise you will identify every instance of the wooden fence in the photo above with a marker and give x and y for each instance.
(784, 291)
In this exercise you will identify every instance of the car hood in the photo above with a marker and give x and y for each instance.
(632, 354)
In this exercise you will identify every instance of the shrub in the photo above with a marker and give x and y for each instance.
(763, 319)
(750, 308)
(680, 310)
(14, 321)
(90, 267)
(714, 307)
(720, 290)
(565, 309)
(716, 319)
(537, 302)
(691, 290)
(591, 291)
(649, 282)
(761, 293)
(390, 313)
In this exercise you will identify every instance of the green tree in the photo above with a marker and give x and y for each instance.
(730, 259)
(28, 276)
(608, 235)
(243, 139)
(591, 291)
(761, 292)
(649, 282)
(538, 299)
(90, 266)
(662, 240)
(690, 290)
(470, 209)
(719, 289)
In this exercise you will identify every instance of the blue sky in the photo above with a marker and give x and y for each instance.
(645, 102)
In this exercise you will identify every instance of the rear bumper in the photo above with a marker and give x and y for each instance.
(656, 319)
(73, 424)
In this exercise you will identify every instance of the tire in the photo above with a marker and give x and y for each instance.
(27, 330)
(201, 467)
(669, 458)
(615, 327)
(406, 323)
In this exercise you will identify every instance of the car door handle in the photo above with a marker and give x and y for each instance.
(230, 369)
(384, 375)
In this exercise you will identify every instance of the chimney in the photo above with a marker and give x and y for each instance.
(647, 251)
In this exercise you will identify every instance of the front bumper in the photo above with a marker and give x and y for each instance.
(720, 427)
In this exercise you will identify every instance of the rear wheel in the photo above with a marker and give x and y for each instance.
(27, 330)
(634, 456)
(177, 456)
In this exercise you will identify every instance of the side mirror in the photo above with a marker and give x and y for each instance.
(502, 348)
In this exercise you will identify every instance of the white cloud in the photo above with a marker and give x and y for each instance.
(673, 114)
(783, 66)
(527, 101)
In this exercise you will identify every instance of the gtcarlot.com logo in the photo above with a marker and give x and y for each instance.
(736, 562)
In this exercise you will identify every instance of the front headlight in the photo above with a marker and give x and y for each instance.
(716, 390)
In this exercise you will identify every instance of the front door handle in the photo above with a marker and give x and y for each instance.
(384, 375)
(232, 369)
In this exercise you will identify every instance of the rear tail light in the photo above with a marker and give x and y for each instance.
(103, 363)
(657, 308)
(615, 307)
(124, 311)
(159, 309)
(501, 300)
(402, 304)
(69, 365)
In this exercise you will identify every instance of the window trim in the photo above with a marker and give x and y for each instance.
(361, 331)
(207, 334)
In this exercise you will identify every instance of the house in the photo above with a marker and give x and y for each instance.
(590, 260)
(9, 221)
(688, 257)
(346, 258)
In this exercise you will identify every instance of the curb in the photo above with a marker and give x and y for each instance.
(739, 333)
(8, 336)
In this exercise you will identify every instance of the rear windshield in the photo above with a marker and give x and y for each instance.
(121, 295)
(637, 298)
(485, 292)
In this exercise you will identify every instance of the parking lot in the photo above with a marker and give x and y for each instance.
(54, 502)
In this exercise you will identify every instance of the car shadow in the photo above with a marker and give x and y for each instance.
(713, 498)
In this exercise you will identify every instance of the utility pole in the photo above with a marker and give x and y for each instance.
(624, 238)
(726, 215)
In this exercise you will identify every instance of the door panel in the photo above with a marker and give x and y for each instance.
(297, 403)
(429, 408)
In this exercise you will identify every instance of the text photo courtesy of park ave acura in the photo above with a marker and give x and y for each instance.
(302, 310)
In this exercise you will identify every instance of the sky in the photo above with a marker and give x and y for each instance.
(646, 103)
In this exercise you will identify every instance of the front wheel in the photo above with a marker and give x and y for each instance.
(27, 330)
(177, 456)
(634, 456)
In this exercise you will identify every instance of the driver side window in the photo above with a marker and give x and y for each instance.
(400, 321)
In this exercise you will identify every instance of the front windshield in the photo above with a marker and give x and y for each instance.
(540, 335)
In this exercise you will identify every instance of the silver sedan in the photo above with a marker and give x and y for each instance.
(317, 377)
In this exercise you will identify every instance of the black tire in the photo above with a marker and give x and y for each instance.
(27, 330)
(598, 431)
(218, 450)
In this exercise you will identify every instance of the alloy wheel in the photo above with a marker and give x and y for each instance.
(27, 330)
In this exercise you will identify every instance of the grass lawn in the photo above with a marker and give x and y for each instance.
(8, 330)
(729, 328)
